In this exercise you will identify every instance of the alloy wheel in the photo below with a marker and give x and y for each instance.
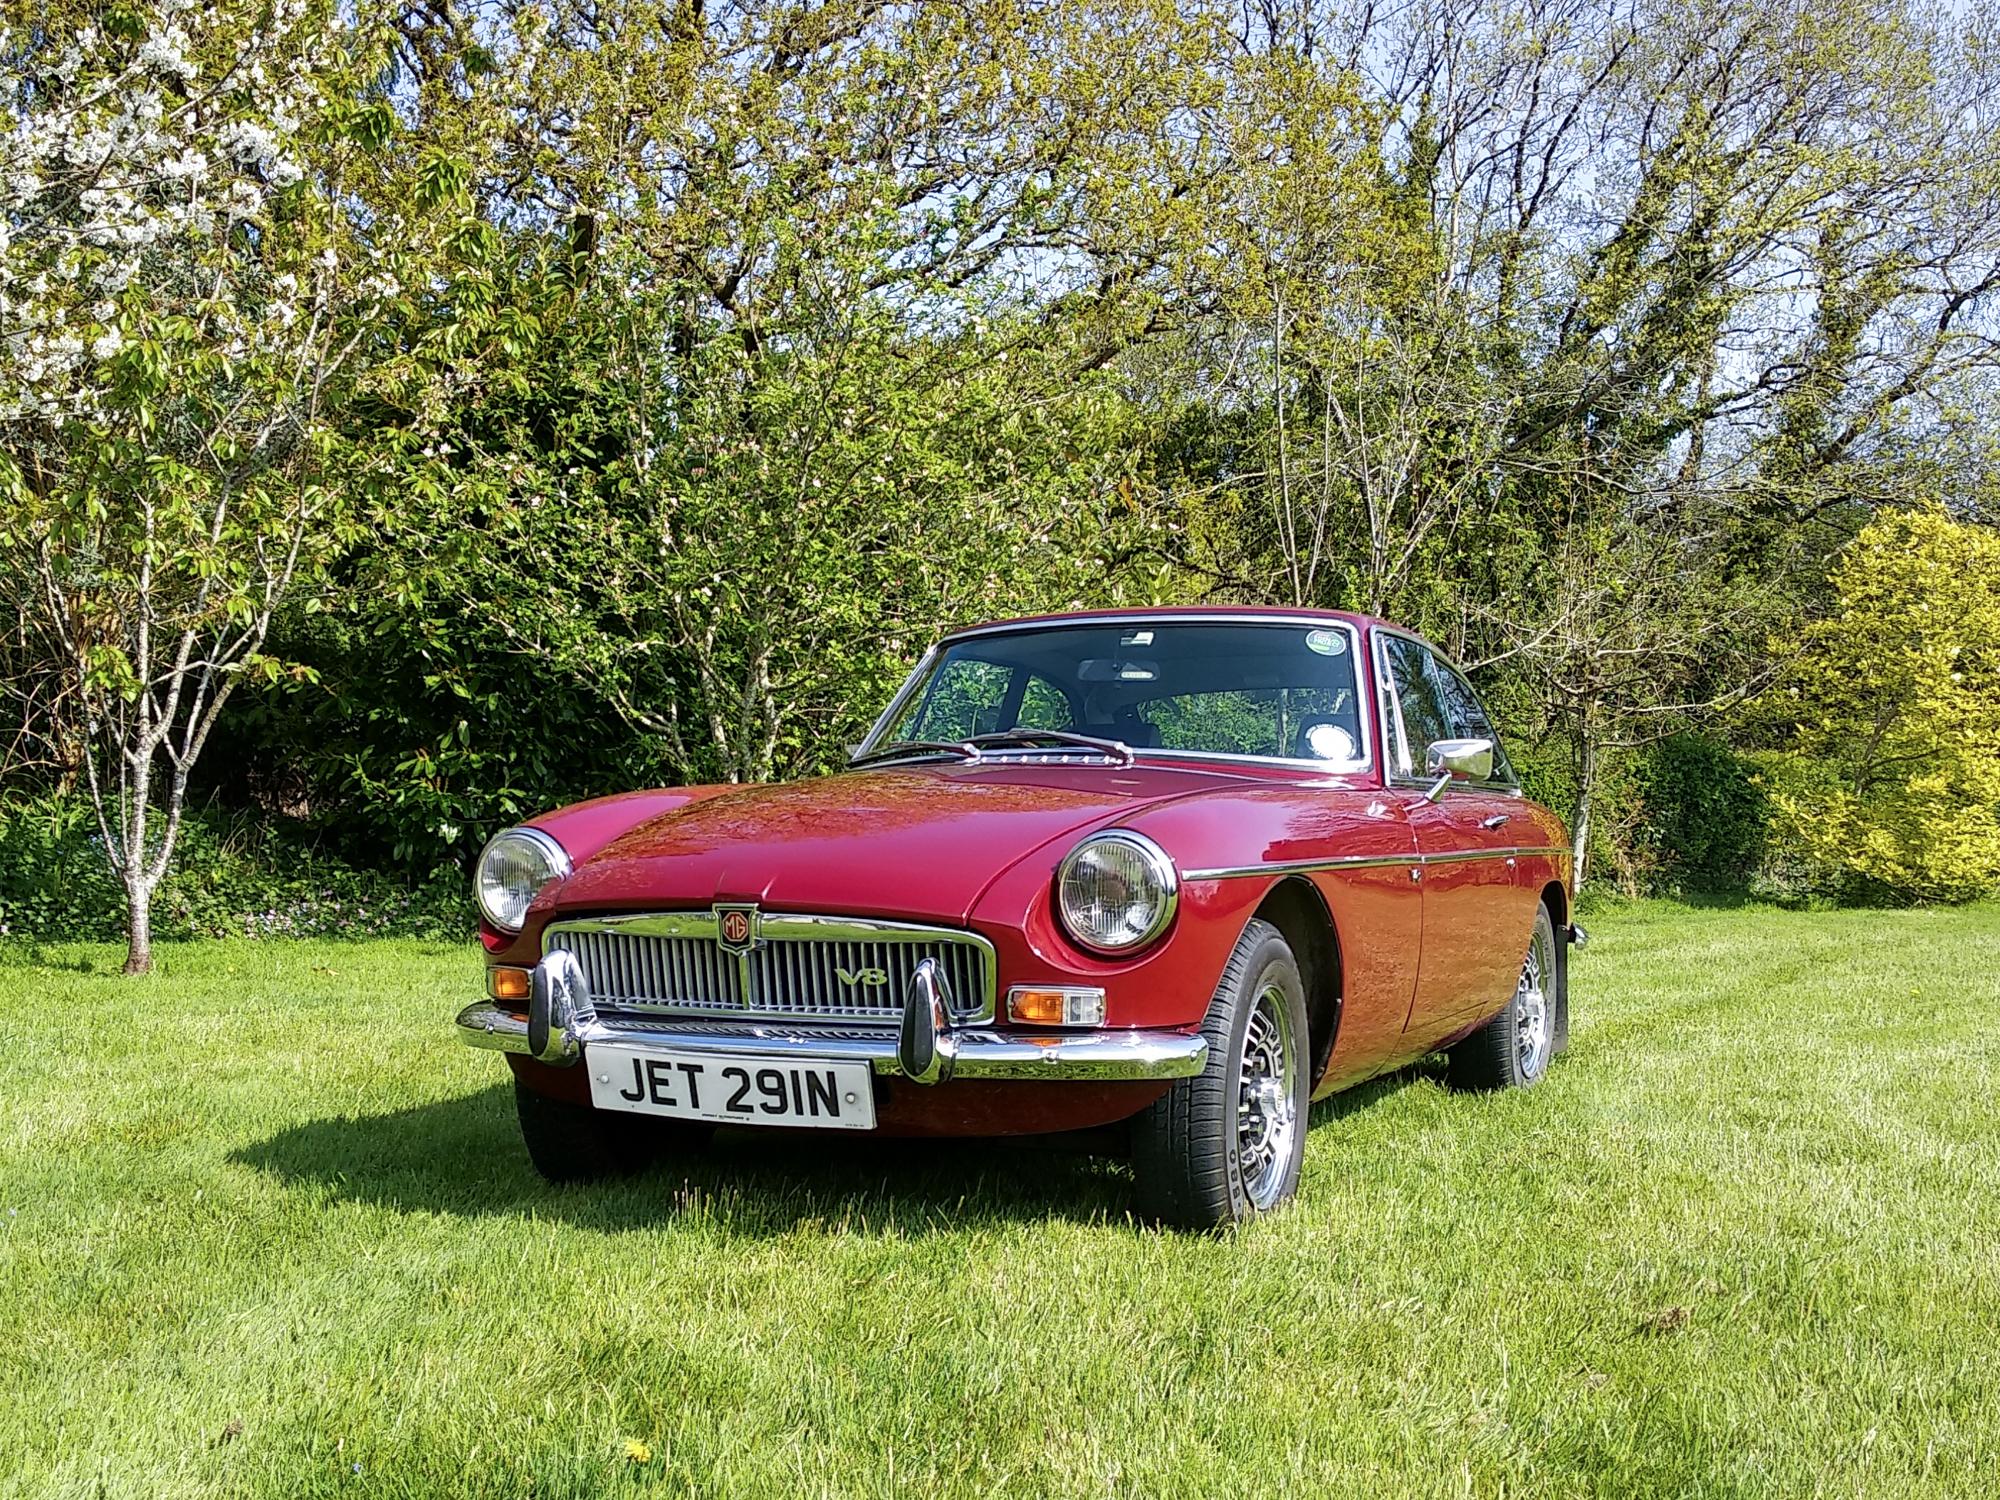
(1267, 1116)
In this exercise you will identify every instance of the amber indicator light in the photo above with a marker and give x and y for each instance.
(1055, 1006)
(507, 984)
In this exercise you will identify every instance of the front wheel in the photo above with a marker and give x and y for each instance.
(1227, 1144)
(1512, 1051)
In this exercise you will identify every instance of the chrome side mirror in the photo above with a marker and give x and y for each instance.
(1457, 760)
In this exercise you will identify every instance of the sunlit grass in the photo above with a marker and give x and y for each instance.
(265, 1229)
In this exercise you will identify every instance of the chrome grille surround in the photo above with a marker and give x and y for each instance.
(801, 968)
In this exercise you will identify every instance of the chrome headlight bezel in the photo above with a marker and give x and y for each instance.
(1157, 875)
(546, 861)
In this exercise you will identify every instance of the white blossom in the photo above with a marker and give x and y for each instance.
(247, 142)
(114, 189)
(163, 52)
(190, 167)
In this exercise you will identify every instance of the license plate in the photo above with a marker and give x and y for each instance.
(726, 1090)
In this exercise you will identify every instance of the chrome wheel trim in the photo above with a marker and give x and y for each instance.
(1267, 1116)
(1533, 1024)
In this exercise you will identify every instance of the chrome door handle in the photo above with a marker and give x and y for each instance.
(1498, 820)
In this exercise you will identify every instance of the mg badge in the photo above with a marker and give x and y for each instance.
(736, 928)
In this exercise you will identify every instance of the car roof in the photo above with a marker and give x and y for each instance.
(1191, 613)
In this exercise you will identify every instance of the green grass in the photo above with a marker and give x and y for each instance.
(1743, 1241)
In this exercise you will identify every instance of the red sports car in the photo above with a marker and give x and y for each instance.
(1179, 870)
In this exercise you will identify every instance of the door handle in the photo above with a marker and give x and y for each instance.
(1498, 820)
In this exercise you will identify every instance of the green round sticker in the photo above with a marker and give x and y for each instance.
(1326, 642)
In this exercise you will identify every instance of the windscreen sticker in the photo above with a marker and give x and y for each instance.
(1326, 642)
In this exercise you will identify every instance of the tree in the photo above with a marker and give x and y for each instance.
(1893, 709)
(203, 236)
(1649, 307)
(842, 282)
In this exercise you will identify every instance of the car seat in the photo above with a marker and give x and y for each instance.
(1128, 727)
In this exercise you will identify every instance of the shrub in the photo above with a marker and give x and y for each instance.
(1705, 818)
(230, 876)
(1896, 700)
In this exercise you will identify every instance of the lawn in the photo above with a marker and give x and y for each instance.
(265, 1229)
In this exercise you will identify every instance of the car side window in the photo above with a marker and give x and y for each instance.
(1043, 707)
(1435, 702)
(1468, 717)
(1420, 712)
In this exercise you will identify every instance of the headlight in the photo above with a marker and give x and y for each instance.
(1116, 892)
(512, 870)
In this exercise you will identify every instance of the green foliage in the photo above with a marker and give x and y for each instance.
(1705, 817)
(231, 875)
(594, 394)
(420, 734)
(1897, 697)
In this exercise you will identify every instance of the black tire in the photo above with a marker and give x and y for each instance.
(1514, 1049)
(1226, 1145)
(575, 1143)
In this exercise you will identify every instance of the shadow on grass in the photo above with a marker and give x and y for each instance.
(1364, 1096)
(464, 1156)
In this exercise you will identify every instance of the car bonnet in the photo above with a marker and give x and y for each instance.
(919, 843)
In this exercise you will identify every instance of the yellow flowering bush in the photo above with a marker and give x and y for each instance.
(1896, 699)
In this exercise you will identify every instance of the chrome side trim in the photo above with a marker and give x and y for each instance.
(1304, 866)
(1460, 856)
(1361, 862)
(1091, 1056)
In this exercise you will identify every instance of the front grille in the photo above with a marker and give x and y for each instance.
(859, 977)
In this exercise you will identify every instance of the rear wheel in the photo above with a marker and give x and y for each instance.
(1227, 1144)
(574, 1143)
(1512, 1051)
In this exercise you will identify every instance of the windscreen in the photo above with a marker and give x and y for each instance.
(1279, 691)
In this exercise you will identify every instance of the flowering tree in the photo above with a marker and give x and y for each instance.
(206, 218)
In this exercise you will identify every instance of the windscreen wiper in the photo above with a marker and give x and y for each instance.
(1024, 739)
(903, 748)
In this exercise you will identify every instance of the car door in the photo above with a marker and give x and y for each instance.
(1476, 914)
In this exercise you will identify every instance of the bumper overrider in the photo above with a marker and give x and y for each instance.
(562, 1022)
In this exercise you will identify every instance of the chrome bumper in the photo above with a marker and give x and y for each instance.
(1089, 1055)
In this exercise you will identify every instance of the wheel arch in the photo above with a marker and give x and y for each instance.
(1555, 896)
(1297, 909)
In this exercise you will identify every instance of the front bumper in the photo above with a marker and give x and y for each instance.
(964, 1053)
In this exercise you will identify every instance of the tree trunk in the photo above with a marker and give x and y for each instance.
(139, 927)
(1586, 784)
